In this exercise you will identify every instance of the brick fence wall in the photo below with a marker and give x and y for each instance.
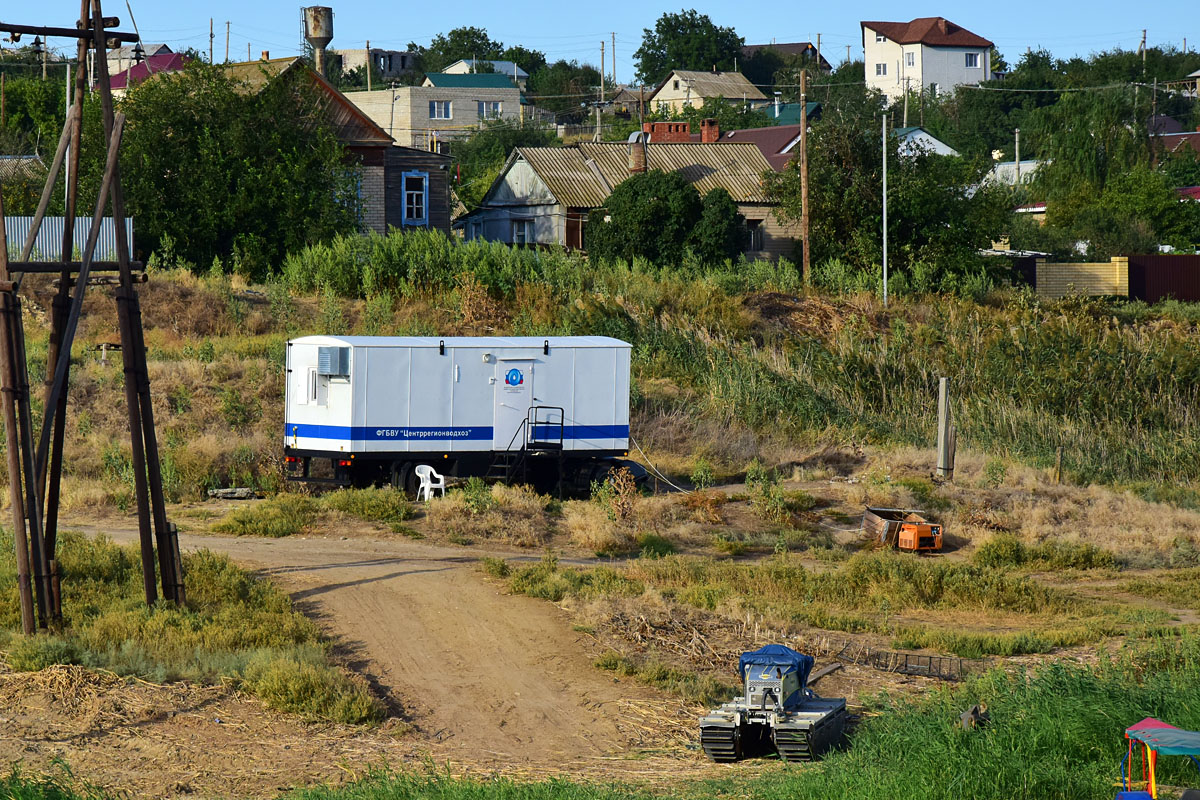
(1056, 280)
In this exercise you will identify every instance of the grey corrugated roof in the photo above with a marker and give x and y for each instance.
(566, 174)
(582, 176)
(21, 168)
(730, 85)
(737, 168)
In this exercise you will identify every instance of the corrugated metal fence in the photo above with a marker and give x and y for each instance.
(48, 245)
(1154, 278)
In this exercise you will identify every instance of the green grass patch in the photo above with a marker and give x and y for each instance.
(282, 515)
(235, 626)
(1006, 550)
(691, 686)
(859, 594)
(372, 504)
(290, 514)
(1179, 588)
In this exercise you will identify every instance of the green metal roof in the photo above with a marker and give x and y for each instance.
(789, 113)
(475, 80)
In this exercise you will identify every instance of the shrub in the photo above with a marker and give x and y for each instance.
(994, 474)
(282, 515)
(478, 496)
(652, 545)
(32, 653)
(1006, 550)
(372, 504)
(302, 682)
(702, 474)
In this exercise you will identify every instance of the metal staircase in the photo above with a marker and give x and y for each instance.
(540, 433)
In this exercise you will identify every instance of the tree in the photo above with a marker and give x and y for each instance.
(731, 115)
(227, 172)
(480, 156)
(650, 216)
(939, 215)
(529, 60)
(687, 40)
(562, 87)
(722, 233)
(659, 217)
(467, 42)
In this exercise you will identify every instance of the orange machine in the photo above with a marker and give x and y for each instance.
(904, 529)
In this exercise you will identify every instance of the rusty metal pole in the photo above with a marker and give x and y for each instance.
(8, 407)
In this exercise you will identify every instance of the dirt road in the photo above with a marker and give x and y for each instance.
(485, 675)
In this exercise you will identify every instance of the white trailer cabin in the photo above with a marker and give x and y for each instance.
(376, 406)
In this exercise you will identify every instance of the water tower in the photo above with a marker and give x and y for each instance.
(318, 30)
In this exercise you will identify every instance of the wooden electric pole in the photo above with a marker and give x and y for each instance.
(226, 41)
(804, 222)
(211, 37)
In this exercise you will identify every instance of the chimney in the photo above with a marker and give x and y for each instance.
(266, 55)
(668, 132)
(637, 155)
(710, 131)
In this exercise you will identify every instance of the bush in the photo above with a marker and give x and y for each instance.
(235, 627)
(282, 515)
(302, 682)
(702, 474)
(1006, 550)
(372, 504)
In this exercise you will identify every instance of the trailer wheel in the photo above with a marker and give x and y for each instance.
(404, 478)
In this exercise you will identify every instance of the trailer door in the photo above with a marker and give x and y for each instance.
(513, 397)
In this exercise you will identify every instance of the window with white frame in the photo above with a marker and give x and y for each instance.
(522, 231)
(972, 60)
(416, 198)
(879, 37)
(881, 69)
(439, 109)
(910, 59)
(489, 109)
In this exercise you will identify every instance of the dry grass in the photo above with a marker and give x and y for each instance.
(513, 514)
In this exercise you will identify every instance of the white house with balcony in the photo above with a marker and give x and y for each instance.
(927, 54)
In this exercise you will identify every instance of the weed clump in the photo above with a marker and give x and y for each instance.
(282, 515)
(235, 627)
(1006, 550)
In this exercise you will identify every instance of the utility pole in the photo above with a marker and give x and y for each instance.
(226, 41)
(367, 65)
(847, 54)
(45, 53)
(614, 59)
(247, 51)
(906, 101)
(210, 40)
(1017, 152)
(818, 53)
(601, 70)
(804, 226)
(885, 231)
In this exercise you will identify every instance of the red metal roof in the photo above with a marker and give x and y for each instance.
(932, 31)
(1189, 192)
(774, 142)
(162, 62)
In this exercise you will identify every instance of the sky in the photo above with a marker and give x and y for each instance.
(575, 30)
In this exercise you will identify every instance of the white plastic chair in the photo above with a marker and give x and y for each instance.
(430, 480)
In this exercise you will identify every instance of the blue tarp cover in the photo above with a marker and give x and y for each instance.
(776, 655)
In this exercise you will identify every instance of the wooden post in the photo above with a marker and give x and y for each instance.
(945, 467)
(1058, 455)
(12, 450)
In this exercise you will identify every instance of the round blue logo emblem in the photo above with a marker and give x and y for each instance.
(514, 377)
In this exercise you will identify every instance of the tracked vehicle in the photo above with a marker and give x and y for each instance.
(776, 712)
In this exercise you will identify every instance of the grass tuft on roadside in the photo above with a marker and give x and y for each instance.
(235, 626)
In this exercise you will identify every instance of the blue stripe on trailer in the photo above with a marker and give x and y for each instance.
(359, 434)
(471, 434)
(543, 433)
